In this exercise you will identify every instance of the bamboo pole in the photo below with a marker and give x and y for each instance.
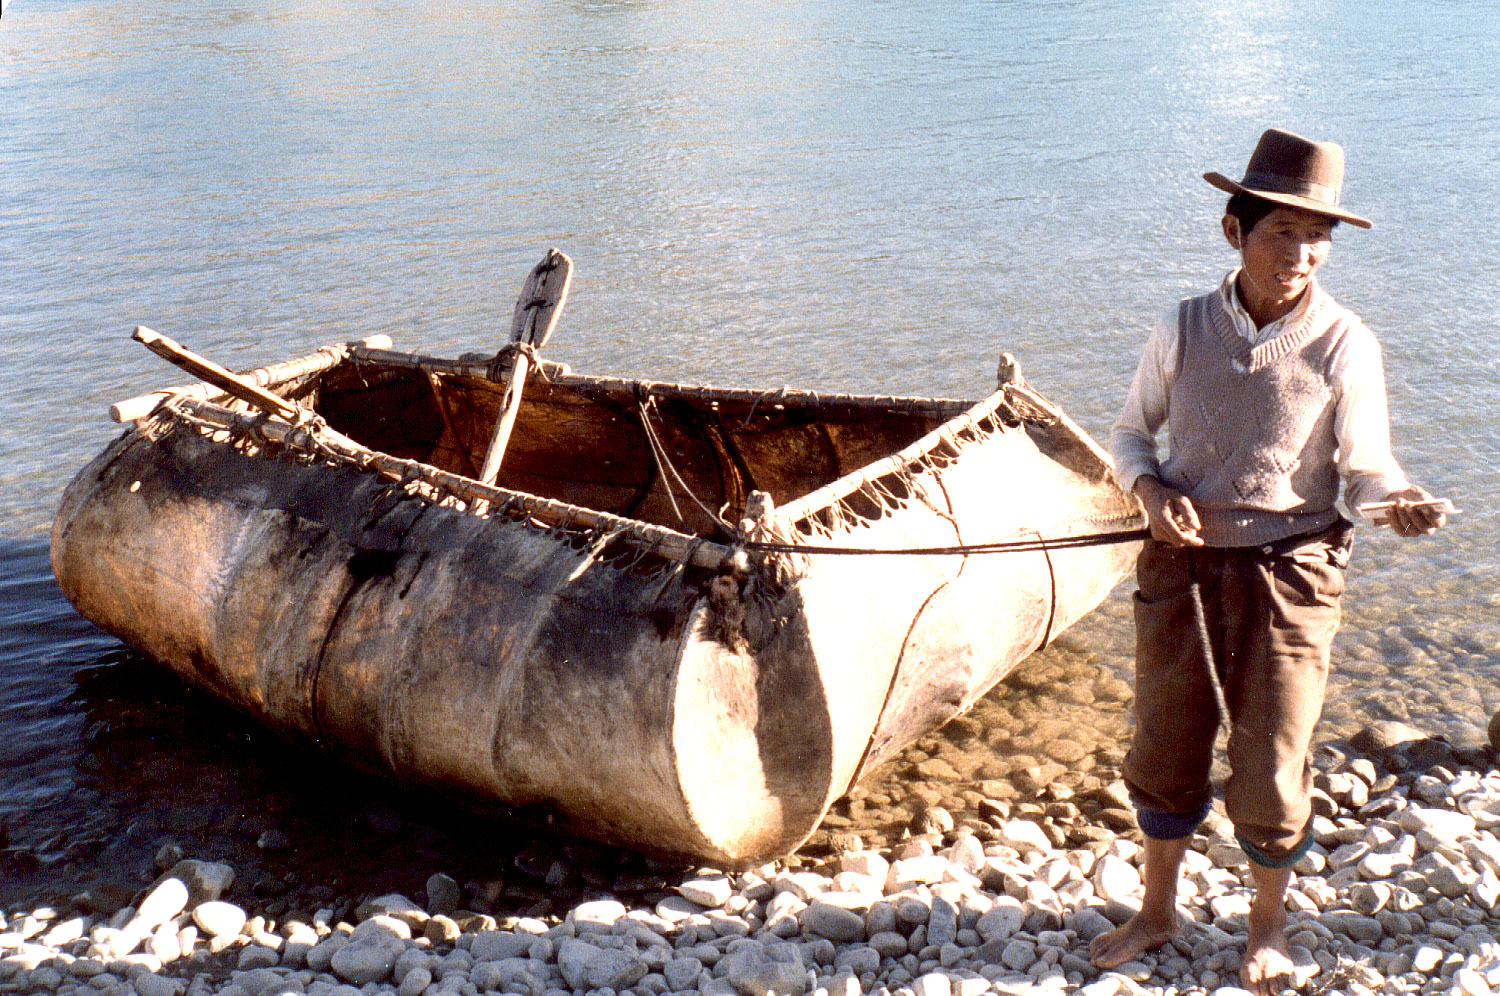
(207, 370)
(326, 358)
(236, 386)
(668, 543)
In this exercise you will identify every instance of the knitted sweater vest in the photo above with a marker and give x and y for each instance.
(1254, 447)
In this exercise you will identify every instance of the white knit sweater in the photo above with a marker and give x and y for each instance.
(1356, 379)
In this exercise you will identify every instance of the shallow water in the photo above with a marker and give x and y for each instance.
(862, 196)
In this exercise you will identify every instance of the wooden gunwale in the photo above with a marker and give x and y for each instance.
(623, 388)
(660, 540)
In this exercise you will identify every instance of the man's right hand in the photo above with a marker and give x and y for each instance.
(1172, 516)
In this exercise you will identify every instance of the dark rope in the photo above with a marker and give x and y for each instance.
(1206, 644)
(1001, 546)
(1052, 584)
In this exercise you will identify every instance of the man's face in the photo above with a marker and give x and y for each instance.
(1281, 254)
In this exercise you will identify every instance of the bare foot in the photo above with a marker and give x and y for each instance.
(1267, 968)
(1140, 934)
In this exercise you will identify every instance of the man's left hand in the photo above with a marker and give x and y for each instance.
(1414, 512)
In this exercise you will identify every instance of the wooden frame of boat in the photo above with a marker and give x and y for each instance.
(685, 618)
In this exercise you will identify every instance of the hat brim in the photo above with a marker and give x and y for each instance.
(1229, 186)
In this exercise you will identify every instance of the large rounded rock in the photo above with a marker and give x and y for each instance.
(1381, 736)
(1025, 836)
(360, 964)
(777, 978)
(256, 956)
(942, 922)
(598, 916)
(1365, 929)
(1019, 955)
(321, 955)
(889, 944)
(614, 969)
(494, 945)
(1444, 824)
(392, 905)
(710, 891)
(1001, 920)
(1089, 923)
(682, 973)
(162, 903)
(503, 974)
(371, 952)
(149, 984)
(573, 957)
(414, 982)
(219, 919)
(382, 929)
(833, 922)
(261, 982)
(1115, 878)
(443, 894)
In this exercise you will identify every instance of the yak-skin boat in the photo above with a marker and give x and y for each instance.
(664, 624)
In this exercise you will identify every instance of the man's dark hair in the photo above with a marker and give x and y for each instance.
(1250, 209)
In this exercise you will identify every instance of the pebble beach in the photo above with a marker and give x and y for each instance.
(863, 197)
(1400, 894)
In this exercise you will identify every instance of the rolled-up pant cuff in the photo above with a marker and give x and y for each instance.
(1160, 825)
(1265, 860)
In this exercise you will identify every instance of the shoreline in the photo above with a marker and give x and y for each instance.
(1401, 889)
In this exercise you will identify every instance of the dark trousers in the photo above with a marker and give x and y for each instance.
(1271, 615)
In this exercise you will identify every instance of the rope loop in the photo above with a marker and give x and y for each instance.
(505, 352)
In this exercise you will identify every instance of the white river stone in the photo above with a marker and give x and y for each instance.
(1115, 879)
(710, 892)
(932, 984)
(219, 919)
(162, 903)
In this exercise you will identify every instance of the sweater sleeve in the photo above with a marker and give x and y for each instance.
(1132, 441)
(1362, 423)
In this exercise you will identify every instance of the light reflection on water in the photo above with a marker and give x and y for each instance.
(852, 196)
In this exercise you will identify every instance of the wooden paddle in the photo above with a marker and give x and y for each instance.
(537, 311)
(207, 370)
(235, 385)
(143, 405)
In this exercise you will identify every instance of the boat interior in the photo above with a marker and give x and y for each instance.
(682, 457)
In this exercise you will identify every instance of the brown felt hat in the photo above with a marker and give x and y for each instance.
(1295, 171)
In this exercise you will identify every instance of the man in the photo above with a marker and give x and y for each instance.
(1271, 392)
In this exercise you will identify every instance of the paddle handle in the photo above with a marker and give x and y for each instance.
(507, 422)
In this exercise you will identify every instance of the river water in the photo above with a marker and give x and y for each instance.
(841, 194)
